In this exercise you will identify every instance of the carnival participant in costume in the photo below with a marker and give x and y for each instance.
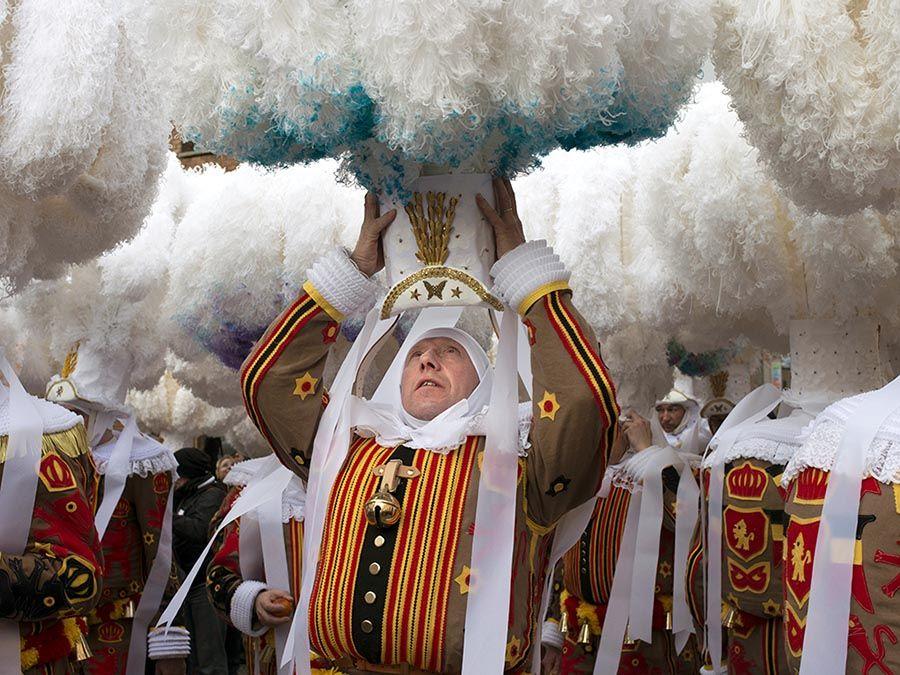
(227, 571)
(842, 611)
(682, 425)
(390, 589)
(50, 567)
(714, 411)
(587, 572)
(754, 583)
(134, 517)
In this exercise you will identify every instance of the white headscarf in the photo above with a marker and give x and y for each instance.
(391, 425)
(692, 434)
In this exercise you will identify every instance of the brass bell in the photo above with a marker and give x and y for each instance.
(628, 641)
(584, 635)
(670, 621)
(128, 610)
(730, 618)
(564, 623)
(82, 648)
(383, 509)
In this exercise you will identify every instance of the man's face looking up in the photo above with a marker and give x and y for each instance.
(437, 374)
(670, 416)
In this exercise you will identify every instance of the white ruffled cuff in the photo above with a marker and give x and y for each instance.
(242, 603)
(526, 273)
(174, 643)
(552, 636)
(338, 285)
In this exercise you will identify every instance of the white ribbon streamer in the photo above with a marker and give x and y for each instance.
(117, 470)
(646, 554)
(616, 620)
(687, 509)
(567, 533)
(639, 562)
(251, 498)
(271, 531)
(487, 608)
(825, 640)
(330, 447)
(154, 586)
(19, 485)
(751, 409)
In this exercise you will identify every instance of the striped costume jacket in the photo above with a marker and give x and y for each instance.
(587, 572)
(394, 600)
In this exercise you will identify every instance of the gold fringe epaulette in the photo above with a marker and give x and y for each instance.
(71, 443)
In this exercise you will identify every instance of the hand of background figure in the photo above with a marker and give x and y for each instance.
(637, 430)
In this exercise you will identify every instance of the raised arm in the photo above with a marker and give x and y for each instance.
(281, 379)
(575, 409)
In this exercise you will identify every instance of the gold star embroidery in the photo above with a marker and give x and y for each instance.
(665, 569)
(456, 292)
(415, 295)
(463, 580)
(304, 386)
(149, 538)
(513, 649)
(548, 406)
(772, 607)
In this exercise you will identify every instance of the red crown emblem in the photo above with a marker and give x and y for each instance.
(161, 483)
(747, 482)
(811, 486)
(123, 508)
(111, 631)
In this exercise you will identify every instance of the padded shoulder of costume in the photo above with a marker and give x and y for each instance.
(55, 417)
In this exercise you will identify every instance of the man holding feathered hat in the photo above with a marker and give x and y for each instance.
(133, 516)
(402, 561)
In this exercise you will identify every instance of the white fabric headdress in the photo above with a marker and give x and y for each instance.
(392, 425)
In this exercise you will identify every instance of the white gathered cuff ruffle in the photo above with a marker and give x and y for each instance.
(525, 270)
(242, 603)
(174, 643)
(552, 636)
(148, 466)
(341, 283)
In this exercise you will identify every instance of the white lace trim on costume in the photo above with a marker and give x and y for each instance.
(341, 283)
(242, 472)
(629, 473)
(293, 499)
(763, 449)
(148, 456)
(145, 467)
(820, 449)
(775, 441)
(524, 270)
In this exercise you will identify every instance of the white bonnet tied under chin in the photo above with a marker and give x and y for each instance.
(391, 425)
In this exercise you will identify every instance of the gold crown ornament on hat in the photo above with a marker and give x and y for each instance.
(439, 250)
